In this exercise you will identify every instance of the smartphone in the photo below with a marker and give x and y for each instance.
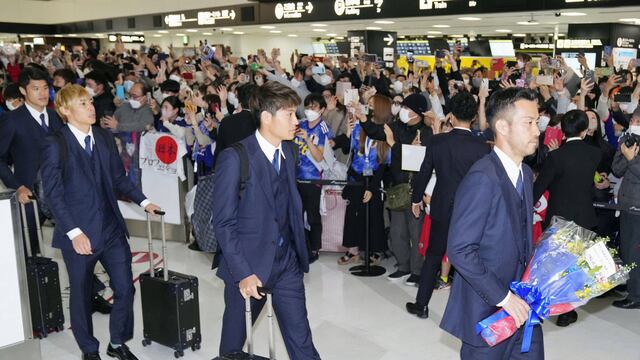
(544, 80)
(622, 98)
(485, 83)
(440, 54)
(187, 75)
(554, 63)
(590, 74)
(410, 57)
(120, 92)
(520, 83)
(511, 64)
(551, 134)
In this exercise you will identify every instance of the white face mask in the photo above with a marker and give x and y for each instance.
(323, 80)
(90, 91)
(10, 106)
(128, 84)
(397, 87)
(520, 64)
(295, 83)
(634, 129)
(166, 114)
(395, 109)
(233, 99)
(543, 122)
(135, 104)
(628, 108)
(311, 115)
(405, 117)
(175, 77)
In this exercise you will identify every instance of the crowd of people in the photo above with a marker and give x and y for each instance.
(585, 126)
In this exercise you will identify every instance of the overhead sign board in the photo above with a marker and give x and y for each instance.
(221, 16)
(127, 39)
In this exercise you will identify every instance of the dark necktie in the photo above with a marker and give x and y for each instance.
(87, 145)
(520, 185)
(43, 123)
(276, 161)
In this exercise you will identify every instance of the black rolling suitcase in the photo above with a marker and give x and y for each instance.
(43, 281)
(170, 305)
(247, 318)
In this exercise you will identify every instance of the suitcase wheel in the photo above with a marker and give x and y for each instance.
(195, 347)
(146, 342)
(178, 354)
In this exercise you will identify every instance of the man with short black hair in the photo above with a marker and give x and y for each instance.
(568, 174)
(489, 241)
(62, 77)
(450, 155)
(260, 229)
(97, 84)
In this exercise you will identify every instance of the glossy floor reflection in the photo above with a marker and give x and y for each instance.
(355, 318)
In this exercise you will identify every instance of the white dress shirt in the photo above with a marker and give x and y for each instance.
(576, 138)
(80, 136)
(513, 172)
(36, 114)
(268, 149)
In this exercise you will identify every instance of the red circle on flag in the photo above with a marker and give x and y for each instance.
(166, 149)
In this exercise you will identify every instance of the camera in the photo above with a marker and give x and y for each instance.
(631, 140)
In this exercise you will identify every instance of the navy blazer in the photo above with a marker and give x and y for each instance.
(21, 142)
(246, 229)
(485, 245)
(451, 154)
(73, 198)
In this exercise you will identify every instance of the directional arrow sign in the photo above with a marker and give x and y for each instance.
(232, 14)
(389, 39)
(309, 7)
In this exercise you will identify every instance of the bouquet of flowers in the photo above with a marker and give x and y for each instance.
(569, 267)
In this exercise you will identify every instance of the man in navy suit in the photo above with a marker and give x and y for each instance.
(260, 231)
(22, 134)
(81, 192)
(450, 155)
(490, 232)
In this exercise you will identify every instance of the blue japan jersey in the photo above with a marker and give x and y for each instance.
(319, 135)
(359, 160)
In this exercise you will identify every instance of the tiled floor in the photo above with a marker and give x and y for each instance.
(360, 318)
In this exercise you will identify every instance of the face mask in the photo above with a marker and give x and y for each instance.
(90, 91)
(10, 106)
(628, 108)
(404, 115)
(397, 87)
(572, 106)
(175, 77)
(311, 115)
(476, 82)
(520, 64)
(295, 83)
(543, 122)
(233, 100)
(128, 84)
(395, 109)
(166, 114)
(259, 81)
(634, 129)
(135, 104)
(323, 80)
(466, 81)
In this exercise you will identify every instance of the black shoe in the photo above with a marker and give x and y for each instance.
(627, 304)
(567, 319)
(122, 352)
(412, 280)
(194, 246)
(418, 310)
(92, 356)
(101, 305)
(398, 275)
(313, 256)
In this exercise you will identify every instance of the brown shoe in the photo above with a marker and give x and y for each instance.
(348, 258)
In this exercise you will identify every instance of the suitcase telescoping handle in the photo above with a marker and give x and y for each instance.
(164, 246)
(25, 227)
(249, 323)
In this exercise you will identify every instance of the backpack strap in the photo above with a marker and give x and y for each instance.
(244, 166)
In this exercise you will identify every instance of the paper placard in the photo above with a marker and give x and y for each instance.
(598, 255)
(412, 157)
(351, 95)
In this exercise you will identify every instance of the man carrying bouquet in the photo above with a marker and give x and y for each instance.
(490, 234)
